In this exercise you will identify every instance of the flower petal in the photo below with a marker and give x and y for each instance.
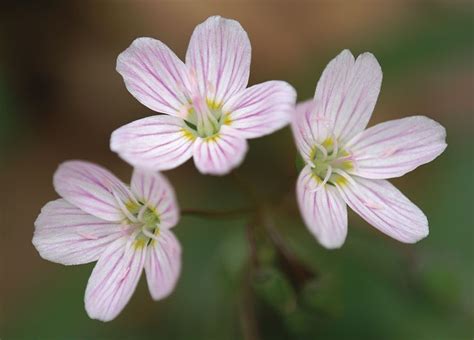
(163, 264)
(305, 128)
(219, 154)
(65, 234)
(261, 109)
(153, 189)
(323, 210)
(386, 208)
(114, 279)
(347, 92)
(393, 148)
(92, 188)
(219, 58)
(154, 143)
(155, 76)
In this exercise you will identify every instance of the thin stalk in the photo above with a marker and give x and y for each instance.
(217, 214)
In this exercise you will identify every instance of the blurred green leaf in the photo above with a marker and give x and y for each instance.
(271, 286)
(322, 295)
(299, 163)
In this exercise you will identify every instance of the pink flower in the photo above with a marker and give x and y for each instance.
(209, 111)
(349, 164)
(125, 229)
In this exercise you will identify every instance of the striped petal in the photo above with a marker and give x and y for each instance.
(163, 264)
(323, 209)
(219, 58)
(386, 208)
(261, 109)
(393, 148)
(347, 92)
(65, 234)
(154, 190)
(219, 154)
(154, 143)
(305, 128)
(114, 279)
(155, 76)
(93, 189)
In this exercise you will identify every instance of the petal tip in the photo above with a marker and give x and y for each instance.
(346, 53)
(219, 156)
(422, 233)
(330, 245)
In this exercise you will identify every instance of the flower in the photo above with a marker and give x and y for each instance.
(125, 229)
(209, 112)
(345, 163)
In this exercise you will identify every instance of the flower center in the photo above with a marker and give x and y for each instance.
(146, 223)
(330, 162)
(205, 117)
(202, 114)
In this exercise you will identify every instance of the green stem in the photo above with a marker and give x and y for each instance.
(297, 271)
(237, 213)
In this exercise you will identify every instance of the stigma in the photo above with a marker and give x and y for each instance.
(330, 163)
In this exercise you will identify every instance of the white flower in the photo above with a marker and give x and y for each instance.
(349, 164)
(124, 229)
(209, 113)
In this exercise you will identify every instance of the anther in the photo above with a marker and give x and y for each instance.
(123, 208)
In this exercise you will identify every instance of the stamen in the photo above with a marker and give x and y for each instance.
(207, 123)
(328, 175)
(207, 120)
(147, 233)
(326, 179)
(124, 209)
(323, 150)
(339, 160)
(142, 212)
(309, 180)
(132, 238)
(317, 188)
(345, 175)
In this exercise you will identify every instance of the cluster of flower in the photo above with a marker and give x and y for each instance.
(208, 114)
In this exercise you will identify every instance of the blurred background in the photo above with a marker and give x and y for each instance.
(60, 98)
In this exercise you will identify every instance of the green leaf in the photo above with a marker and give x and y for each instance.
(273, 288)
(299, 163)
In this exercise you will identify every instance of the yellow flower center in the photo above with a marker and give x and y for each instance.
(205, 117)
(146, 221)
(329, 162)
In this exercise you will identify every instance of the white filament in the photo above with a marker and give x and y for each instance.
(345, 175)
(124, 209)
(147, 233)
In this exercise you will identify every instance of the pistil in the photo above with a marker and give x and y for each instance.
(144, 220)
(207, 123)
(329, 163)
